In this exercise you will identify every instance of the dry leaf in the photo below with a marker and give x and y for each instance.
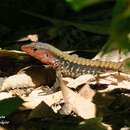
(124, 84)
(114, 56)
(40, 75)
(17, 81)
(125, 128)
(34, 99)
(80, 80)
(2, 128)
(67, 80)
(115, 80)
(5, 95)
(30, 77)
(109, 127)
(12, 53)
(33, 37)
(87, 92)
(75, 102)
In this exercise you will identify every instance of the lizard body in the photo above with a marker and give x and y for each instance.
(70, 65)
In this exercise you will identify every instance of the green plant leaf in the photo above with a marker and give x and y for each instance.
(92, 124)
(120, 27)
(79, 4)
(7, 106)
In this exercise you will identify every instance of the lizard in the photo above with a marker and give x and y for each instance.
(69, 65)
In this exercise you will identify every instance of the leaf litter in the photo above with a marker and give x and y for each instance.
(75, 97)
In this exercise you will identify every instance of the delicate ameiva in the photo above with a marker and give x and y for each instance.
(70, 65)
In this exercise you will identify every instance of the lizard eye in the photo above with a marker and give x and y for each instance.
(34, 49)
(47, 55)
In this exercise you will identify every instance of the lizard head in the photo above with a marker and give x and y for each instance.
(43, 55)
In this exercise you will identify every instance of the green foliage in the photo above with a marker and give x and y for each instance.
(80, 4)
(120, 31)
(7, 106)
(91, 124)
(120, 27)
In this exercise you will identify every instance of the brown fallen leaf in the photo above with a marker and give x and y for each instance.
(125, 128)
(5, 95)
(17, 81)
(75, 102)
(2, 128)
(87, 92)
(113, 80)
(114, 55)
(11, 53)
(40, 75)
(33, 37)
(30, 77)
(124, 85)
(80, 80)
(34, 99)
(67, 80)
